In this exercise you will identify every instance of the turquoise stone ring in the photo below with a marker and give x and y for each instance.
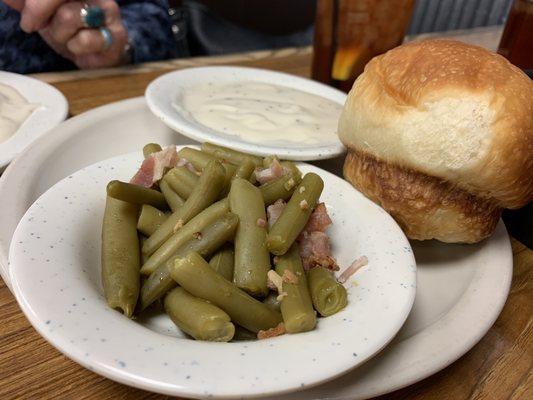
(92, 17)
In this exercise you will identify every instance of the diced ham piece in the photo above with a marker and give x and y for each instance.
(274, 281)
(315, 251)
(319, 220)
(145, 175)
(274, 211)
(289, 277)
(352, 269)
(264, 175)
(272, 332)
(153, 167)
(315, 248)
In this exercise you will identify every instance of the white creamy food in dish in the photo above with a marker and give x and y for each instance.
(263, 113)
(14, 110)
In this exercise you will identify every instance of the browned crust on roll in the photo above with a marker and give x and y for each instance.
(424, 206)
(390, 113)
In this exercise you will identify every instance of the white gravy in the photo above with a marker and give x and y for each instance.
(14, 109)
(263, 113)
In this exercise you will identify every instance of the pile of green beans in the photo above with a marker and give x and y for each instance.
(197, 244)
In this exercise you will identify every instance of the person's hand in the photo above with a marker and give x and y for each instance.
(60, 24)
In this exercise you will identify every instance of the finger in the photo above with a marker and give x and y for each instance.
(66, 22)
(86, 41)
(36, 13)
(15, 4)
(111, 10)
(113, 56)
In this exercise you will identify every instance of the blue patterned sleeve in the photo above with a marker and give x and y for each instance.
(149, 29)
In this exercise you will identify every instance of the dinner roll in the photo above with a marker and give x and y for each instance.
(440, 134)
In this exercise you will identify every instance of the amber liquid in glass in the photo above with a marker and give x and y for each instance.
(348, 33)
(517, 40)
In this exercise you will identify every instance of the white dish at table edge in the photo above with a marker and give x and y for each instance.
(52, 109)
(55, 274)
(460, 292)
(163, 91)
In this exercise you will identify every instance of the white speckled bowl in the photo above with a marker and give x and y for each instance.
(166, 90)
(52, 109)
(55, 275)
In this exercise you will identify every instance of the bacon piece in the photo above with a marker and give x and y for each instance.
(304, 205)
(197, 235)
(315, 251)
(153, 167)
(353, 268)
(275, 282)
(261, 222)
(264, 175)
(272, 332)
(289, 277)
(183, 162)
(178, 225)
(274, 211)
(145, 175)
(289, 184)
(319, 220)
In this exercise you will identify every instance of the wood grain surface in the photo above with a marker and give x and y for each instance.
(499, 367)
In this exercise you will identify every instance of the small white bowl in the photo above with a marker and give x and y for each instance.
(55, 275)
(166, 90)
(52, 109)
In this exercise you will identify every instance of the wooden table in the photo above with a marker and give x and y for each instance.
(498, 367)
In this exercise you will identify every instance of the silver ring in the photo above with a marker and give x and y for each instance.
(108, 38)
(92, 16)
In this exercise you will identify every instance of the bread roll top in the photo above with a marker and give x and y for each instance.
(449, 110)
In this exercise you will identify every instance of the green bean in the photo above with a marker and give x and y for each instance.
(150, 219)
(182, 181)
(198, 318)
(204, 194)
(155, 287)
(200, 160)
(230, 172)
(173, 200)
(272, 301)
(295, 214)
(120, 255)
(252, 260)
(223, 262)
(195, 275)
(232, 156)
(210, 239)
(293, 169)
(136, 194)
(151, 148)
(245, 170)
(328, 295)
(197, 158)
(142, 239)
(280, 188)
(183, 235)
(296, 306)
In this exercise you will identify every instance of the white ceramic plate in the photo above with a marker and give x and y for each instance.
(52, 109)
(55, 274)
(460, 291)
(166, 90)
